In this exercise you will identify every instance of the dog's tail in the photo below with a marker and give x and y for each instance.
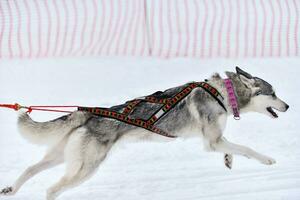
(50, 132)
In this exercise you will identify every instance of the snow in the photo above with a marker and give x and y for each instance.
(179, 170)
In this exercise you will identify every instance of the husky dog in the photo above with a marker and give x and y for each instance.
(82, 140)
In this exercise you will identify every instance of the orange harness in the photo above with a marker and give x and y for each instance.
(166, 105)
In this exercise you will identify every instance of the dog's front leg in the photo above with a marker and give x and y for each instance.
(216, 142)
(222, 145)
(228, 159)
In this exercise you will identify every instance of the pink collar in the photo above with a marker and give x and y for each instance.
(232, 98)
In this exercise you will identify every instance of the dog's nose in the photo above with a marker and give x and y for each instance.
(287, 107)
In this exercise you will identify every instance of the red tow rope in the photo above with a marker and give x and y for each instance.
(17, 107)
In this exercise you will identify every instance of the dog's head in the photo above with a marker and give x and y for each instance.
(256, 94)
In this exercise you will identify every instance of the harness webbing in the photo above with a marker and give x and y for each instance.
(167, 105)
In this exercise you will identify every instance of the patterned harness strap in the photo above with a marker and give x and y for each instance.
(167, 105)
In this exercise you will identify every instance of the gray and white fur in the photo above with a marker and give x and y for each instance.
(82, 140)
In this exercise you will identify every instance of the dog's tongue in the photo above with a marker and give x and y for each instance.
(272, 112)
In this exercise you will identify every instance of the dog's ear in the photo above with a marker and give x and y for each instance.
(245, 77)
(239, 72)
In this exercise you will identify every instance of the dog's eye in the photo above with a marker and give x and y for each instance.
(273, 94)
(258, 93)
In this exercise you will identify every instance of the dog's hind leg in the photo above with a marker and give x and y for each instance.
(83, 155)
(52, 158)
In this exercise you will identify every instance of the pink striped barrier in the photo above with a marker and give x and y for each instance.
(166, 29)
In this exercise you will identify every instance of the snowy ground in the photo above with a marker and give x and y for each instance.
(180, 170)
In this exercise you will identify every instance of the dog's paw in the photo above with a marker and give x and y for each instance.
(7, 191)
(228, 158)
(268, 161)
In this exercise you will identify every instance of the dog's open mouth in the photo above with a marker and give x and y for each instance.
(273, 113)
